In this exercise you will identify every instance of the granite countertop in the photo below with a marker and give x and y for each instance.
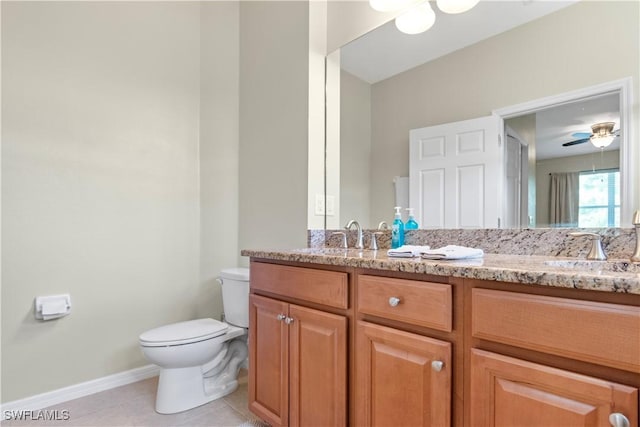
(607, 276)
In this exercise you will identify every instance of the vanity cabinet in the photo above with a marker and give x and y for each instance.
(297, 354)
(402, 378)
(506, 391)
(336, 346)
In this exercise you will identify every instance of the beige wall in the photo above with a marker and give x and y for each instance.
(219, 148)
(548, 56)
(355, 148)
(587, 162)
(100, 183)
(124, 169)
(274, 73)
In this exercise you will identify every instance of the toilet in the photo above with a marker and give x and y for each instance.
(200, 359)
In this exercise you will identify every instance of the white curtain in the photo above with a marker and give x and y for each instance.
(563, 206)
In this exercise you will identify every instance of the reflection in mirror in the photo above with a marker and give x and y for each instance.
(563, 161)
(534, 60)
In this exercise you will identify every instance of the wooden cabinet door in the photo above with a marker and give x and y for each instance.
(397, 381)
(318, 368)
(268, 360)
(510, 392)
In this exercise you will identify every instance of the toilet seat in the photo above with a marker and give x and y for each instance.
(181, 333)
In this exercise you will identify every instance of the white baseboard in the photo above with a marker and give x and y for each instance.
(75, 391)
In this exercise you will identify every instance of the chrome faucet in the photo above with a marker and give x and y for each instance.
(359, 244)
(383, 225)
(636, 223)
(596, 253)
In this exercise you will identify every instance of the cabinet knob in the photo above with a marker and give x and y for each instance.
(288, 320)
(618, 420)
(394, 301)
(437, 365)
(281, 317)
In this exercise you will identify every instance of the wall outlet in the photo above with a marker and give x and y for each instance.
(319, 205)
(331, 205)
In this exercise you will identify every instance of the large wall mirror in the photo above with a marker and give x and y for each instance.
(549, 70)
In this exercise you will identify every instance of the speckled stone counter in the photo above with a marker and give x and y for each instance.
(618, 243)
(607, 276)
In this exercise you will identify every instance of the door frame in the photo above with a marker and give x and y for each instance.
(624, 89)
(523, 217)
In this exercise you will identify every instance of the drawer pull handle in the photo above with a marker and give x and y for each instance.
(281, 317)
(394, 301)
(437, 365)
(618, 420)
(288, 320)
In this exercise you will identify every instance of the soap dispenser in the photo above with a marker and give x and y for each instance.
(397, 230)
(411, 223)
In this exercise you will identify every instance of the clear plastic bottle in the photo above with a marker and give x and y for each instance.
(397, 230)
(411, 223)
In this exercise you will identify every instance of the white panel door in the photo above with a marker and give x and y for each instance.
(456, 173)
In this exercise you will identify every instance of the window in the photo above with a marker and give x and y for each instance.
(599, 199)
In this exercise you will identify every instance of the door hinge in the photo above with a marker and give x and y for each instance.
(499, 140)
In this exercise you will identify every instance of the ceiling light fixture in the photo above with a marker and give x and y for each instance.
(456, 6)
(416, 20)
(390, 5)
(602, 134)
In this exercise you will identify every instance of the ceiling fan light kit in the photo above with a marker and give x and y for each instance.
(456, 6)
(602, 134)
(418, 16)
(416, 20)
(390, 5)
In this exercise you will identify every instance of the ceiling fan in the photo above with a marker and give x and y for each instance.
(601, 135)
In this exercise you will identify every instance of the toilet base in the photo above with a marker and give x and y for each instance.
(181, 389)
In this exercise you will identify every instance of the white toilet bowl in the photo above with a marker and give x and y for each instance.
(199, 359)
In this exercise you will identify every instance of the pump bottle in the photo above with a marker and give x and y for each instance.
(411, 223)
(397, 230)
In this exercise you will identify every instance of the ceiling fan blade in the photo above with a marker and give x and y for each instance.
(581, 135)
(576, 142)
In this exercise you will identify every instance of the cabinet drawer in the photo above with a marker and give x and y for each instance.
(420, 303)
(320, 286)
(602, 333)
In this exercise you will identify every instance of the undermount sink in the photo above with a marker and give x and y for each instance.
(581, 264)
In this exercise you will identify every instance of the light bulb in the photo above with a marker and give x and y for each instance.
(456, 6)
(601, 141)
(416, 20)
(389, 5)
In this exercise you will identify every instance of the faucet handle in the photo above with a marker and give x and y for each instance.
(636, 218)
(383, 225)
(344, 238)
(374, 240)
(596, 252)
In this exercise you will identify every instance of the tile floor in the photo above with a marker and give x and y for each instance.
(133, 405)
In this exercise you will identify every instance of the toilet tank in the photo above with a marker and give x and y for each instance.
(235, 296)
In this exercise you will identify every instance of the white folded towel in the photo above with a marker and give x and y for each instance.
(452, 252)
(407, 251)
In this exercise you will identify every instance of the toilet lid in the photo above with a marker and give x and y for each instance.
(239, 273)
(183, 332)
